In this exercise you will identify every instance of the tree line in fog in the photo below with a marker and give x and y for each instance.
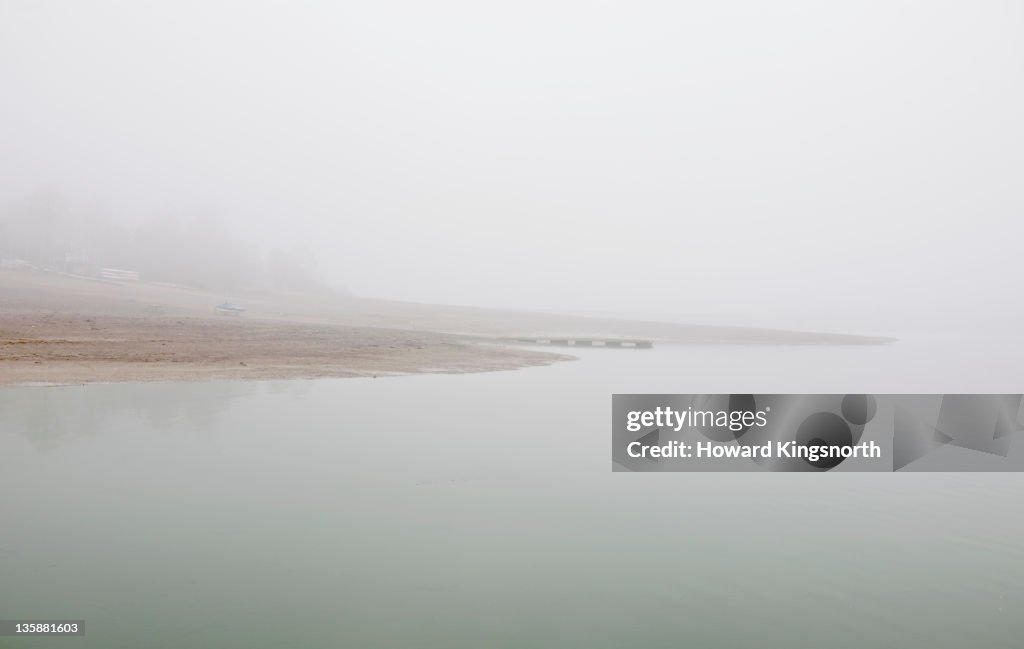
(45, 231)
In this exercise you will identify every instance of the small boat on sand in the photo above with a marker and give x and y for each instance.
(227, 308)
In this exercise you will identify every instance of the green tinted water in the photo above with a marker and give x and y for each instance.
(481, 511)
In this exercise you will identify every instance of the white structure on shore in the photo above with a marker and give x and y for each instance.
(118, 274)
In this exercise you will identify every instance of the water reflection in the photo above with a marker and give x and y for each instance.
(50, 415)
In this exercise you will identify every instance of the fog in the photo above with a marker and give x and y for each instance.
(839, 166)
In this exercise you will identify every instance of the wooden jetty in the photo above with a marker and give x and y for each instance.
(629, 343)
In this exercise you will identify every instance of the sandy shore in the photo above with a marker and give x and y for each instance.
(60, 329)
(61, 348)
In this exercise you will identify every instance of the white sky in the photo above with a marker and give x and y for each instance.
(842, 165)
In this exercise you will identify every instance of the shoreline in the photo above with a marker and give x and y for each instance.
(73, 349)
(62, 330)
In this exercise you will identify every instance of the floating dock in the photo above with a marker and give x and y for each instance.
(631, 343)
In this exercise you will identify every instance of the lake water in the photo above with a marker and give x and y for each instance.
(481, 511)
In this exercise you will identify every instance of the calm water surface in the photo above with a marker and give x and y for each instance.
(481, 511)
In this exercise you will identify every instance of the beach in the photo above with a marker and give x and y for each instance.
(57, 328)
(89, 348)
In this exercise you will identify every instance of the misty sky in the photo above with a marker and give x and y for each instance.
(839, 165)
